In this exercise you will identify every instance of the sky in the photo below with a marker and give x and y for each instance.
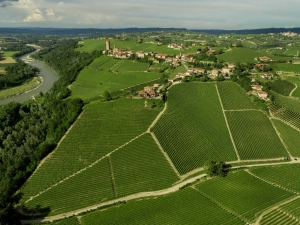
(190, 14)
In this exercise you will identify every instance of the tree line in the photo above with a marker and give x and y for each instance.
(31, 130)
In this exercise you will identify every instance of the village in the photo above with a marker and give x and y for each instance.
(184, 59)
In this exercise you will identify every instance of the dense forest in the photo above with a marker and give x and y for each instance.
(16, 74)
(29, 131)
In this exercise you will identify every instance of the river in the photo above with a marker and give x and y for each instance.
(48, 75)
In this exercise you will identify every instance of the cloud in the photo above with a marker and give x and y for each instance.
(36, 16)
(217, 14)
(5, 3)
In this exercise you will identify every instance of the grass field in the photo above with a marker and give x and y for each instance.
(9, 53)
(243, 194)
(102, 128)
(254, 135)
(289, 135)
(26, 86)
(91, 45)
(286, 67)
(8, 60)
(242, 55)
(234, 97)
(289, 175)
(141, 166)
(183, 207)
(245, 55)
(190, 133)
(111, 75)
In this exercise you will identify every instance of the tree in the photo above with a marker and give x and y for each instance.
(216, 168)
(107, 95)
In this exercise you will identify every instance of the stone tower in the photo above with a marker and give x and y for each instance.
(107, 45)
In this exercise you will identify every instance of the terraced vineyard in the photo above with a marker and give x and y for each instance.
(288, 174)
(190, 133)
(254, 135)
(289, 136)
(95, 134)
(243, 194)
(234, 97)
(184, 207)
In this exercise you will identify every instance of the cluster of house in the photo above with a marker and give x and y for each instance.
(257, 90)
(226, 71)
(149, 91)
(154, 57)
(176, 46)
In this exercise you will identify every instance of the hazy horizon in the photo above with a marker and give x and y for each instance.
(190, 14)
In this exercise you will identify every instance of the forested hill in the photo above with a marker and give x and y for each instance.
(29, 131)
(86, 31)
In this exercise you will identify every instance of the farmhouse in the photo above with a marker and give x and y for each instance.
(264, 59)
(262, 94)
(148, 92)
(211, 52)
(215, 72)
(226, 71)
(161, 56)
(140, 54)
(175, 79)
(256, 87)
(266, 76)
(231, 65)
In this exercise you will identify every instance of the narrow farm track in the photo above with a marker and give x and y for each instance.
(293, 90)
(166, 155)
(257, 222)
(157, 118)
(166, 191)
(85, 168)
(228, 128)
(285, 146)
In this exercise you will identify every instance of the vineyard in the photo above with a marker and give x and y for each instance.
(106, 73)
(242, 194)
(234, 97)
(287, 102)
(141, 166)
(190, 133)
(286, 115)
(90, 187)
(133, 66)
(69, 221)
(283, 87)
(295, 80)
(285, 214)
(278, 216)
(286, 176)
(99, 61)
(254, 135)
(183, 207)
(102, 128)
(289, 135)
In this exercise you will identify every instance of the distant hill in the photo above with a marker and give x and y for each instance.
(69, 31)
